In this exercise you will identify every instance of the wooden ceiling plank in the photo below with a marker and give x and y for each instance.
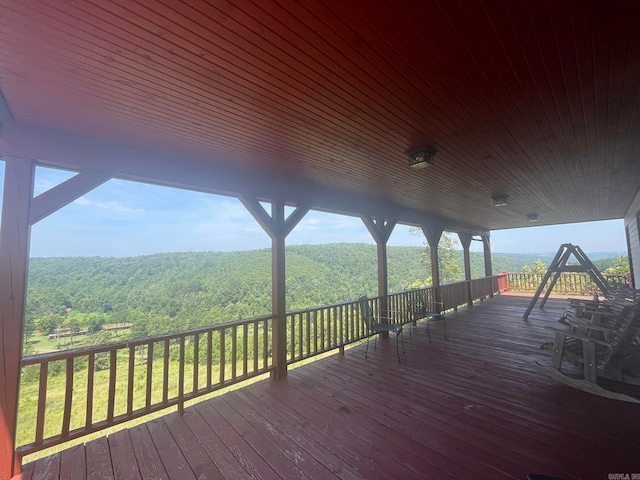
(478, 22)
(123, 89)
(241, 95)
(506, 158)
(330, 83)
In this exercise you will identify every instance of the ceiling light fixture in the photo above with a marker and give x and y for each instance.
(500, 200)
(421, 157)
(532, 217)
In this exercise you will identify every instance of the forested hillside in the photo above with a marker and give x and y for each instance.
(173, 291)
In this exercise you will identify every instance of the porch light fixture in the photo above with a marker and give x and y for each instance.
(532, 217)
(500, 200)
(421, 157)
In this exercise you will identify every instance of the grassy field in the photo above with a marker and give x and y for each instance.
(56, 387)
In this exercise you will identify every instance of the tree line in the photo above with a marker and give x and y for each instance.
(169, 292)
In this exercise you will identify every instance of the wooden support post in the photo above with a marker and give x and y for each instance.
(488, 268)
(380, 230)
(465, 241)
(278, 293)
(277, 227)
(433, 232)
(14, 257)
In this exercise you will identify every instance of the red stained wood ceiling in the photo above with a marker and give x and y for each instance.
(538, 100)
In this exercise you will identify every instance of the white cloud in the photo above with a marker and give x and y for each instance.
(113, 206)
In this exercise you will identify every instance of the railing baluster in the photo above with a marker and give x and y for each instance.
(265, 342)
(42, 401)
(68, 397)
(329, 329)
(344, 327)
(300, 336)
(245, 348)
(147, 404)
(223, 355)
(315, 331)
(91, 367)
(292, 345)
(111, 401)
(181, 377)
(308, 337)
(255, 346)
(234, 352)
(209, 358)
(165, 373)
(131, 378)
(196, 361)
(322, 330)
(335, 327)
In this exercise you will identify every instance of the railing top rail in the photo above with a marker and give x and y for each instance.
(321, 307)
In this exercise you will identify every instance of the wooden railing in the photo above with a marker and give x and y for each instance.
(317, 330)
(569, 283)
(84, 390)
(80, 391)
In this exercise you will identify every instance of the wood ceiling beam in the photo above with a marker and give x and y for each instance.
(61, 149)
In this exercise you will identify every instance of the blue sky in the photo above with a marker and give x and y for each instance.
(126, 219)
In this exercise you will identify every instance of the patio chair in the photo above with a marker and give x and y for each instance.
(603, 351)
(428, 310)
(582, 314)
(377, 324)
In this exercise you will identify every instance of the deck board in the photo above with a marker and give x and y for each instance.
(197, 457)
(147, 457)
(173, 458)
(73, 464)
(247, 458)
(123, 460)
(472, 406)
(99, 460)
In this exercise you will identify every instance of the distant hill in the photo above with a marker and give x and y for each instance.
(316, 274)
(592, 255)
(174, 291)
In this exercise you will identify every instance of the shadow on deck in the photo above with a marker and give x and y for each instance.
(473, 406)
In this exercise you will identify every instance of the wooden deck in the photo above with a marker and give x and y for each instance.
(473, 406)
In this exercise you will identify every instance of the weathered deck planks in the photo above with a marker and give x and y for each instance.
(473, 406)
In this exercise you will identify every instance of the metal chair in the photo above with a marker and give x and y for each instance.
(430, 311)
(377, 324)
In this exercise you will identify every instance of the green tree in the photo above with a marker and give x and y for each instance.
(448, 260)
(49, 323)
(538, 267)
(95, 323)
(620, 266)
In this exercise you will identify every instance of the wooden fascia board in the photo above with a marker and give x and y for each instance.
(66, 150)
